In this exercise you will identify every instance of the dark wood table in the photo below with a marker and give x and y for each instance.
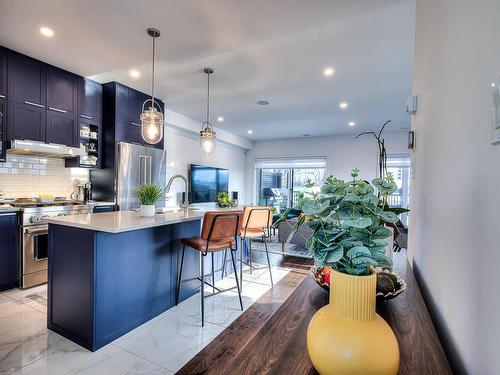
(270, 337)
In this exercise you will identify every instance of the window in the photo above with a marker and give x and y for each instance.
(279, 181)
(399, 166)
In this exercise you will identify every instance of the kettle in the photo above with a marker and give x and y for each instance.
(83, 192)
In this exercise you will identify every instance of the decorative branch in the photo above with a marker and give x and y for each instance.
(382, 153)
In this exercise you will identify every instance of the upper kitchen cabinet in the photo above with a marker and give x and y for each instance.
(25, 122)
(135, 101)
(61, 129)
(122, 111)
(26, 80)
(3, 72)
(61, 91)
(89, 100)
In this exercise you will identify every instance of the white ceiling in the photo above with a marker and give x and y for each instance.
(260, 49)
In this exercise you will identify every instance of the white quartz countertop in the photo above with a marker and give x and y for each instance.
(6, 208)
(124, 221)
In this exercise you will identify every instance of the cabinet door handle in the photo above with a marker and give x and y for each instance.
(34, 104)
(2, 96)
(58, 110)
(87, 117)
(135, 124)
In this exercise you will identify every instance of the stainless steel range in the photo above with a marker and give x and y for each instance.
(34, 236)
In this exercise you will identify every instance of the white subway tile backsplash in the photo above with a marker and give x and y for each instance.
(27, 176)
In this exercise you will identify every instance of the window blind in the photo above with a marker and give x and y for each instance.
(286, 163)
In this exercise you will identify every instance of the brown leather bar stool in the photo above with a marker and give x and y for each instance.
(219, 232)
(257, 221)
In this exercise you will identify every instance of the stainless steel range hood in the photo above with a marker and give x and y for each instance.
(48, 150)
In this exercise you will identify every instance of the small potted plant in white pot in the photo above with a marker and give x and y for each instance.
(148, 195)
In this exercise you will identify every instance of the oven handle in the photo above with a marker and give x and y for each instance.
(38, 230)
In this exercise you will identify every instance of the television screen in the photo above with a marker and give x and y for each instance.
(206, 182)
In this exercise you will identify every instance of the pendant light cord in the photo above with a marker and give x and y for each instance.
(153, 77)
(208, 99)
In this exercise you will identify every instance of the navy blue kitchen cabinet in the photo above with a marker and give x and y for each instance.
(8, 250)
(89, 100)
(26, 80)
(61, 129)
(3, 73)
(25, 121)
(61, 124)
(61, 91)
(123, 107)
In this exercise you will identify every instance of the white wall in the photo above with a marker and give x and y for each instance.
(454, 237)
(343, 154)
(183, 148)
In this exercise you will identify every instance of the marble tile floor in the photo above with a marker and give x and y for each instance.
(161, 346)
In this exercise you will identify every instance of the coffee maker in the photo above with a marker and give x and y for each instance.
(82, 193)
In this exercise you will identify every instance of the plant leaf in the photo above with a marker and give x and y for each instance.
(358, 251)
(363, 262)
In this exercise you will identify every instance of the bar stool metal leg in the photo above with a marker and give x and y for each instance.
(224, 263)
(213, 274)
(179, 279)
(268, 262)
(250, 254)
(244, 244)
(236, 278)
(202, 286)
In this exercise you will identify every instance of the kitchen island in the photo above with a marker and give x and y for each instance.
(111, 272)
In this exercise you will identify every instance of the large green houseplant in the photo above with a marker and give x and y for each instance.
(347, 219)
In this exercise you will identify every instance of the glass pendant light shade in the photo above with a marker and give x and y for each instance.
(152, 120)
(207, 139)
(207, 133)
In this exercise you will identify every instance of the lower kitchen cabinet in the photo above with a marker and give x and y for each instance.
(9, 250)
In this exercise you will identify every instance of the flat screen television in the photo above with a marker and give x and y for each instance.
(206, 182)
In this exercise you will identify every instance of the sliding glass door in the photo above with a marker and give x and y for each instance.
(278, 182)
(399, 166)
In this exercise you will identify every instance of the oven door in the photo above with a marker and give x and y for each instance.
(35, 255)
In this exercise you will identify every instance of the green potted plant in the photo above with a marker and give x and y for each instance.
(148, 195)
(349, 235)
(224, 201)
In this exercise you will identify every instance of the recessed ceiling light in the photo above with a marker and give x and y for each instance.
(220, 119)
(135, 73)
(46, 31)
(250, 131)
(351, 123)
(328, 72)
(262, 102)
(343, 105)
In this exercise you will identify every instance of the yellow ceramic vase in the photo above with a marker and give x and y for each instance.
(347, 337)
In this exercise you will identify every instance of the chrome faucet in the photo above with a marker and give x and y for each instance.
(186, 188)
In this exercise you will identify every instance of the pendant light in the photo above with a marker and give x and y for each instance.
(207, 133)
(152, 120)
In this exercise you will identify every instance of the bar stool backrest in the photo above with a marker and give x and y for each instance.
(257, 217)
(219, 225)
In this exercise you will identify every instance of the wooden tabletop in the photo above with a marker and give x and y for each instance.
(270, 337)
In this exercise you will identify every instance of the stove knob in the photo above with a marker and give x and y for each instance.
(31, 220)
